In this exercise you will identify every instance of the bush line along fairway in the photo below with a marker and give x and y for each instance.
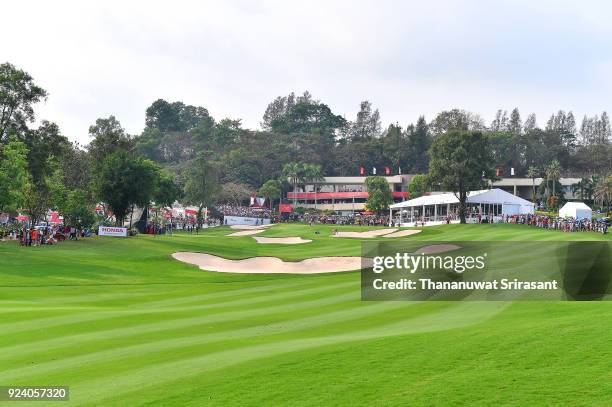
(121, 322)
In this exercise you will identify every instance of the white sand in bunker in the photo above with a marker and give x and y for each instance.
(250, 227)
(262, 265)
(246, 232)
(403, 233)
(437, 248)
(367, 235)
(281, 240)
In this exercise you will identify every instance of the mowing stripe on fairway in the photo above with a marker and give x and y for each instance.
(70, 340)
(451, 318)
(35, 325)
(261, 331)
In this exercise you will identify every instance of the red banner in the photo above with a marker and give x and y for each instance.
(284, 208)
(338, 195)
(361, 171)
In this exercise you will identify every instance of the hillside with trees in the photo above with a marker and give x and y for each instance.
(41, 168)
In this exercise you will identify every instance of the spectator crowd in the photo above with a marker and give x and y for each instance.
(358, 219)
(46, 235)
(244, 211)
(557, 223)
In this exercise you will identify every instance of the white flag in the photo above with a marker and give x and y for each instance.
(374, 170)
(511, 171)
(399, 170)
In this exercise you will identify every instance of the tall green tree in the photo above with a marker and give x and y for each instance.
(108, 136)
(124, 181)
(77, 209)
(418, 186)
(530, 124)
(271, 190)
(166, 190)
(455, 119)
(202, 187)
(515, 125)
(313, 173)
(18, 95)
(294, 172)
(553, 173)
(461, 161)
(46, 146)
(533, 173)
(395, 146)
(14, 175)
(418, 143)
(308, 117)
(583, 188)
(367, 123)
(235, 193)
(603, 192)
(379, 194)
(42, 193)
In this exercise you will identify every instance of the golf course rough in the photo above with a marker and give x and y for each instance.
(123, 323)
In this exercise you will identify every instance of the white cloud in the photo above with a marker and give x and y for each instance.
(233, 57)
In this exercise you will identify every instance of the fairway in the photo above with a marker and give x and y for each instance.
(123, 323)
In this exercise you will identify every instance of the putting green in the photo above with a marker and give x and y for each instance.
(122, 323)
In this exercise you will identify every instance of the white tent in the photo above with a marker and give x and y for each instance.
(577, 210)
(511, 204)
(438, 207)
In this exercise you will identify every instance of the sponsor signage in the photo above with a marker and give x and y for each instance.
(112, 231)
(243, 220)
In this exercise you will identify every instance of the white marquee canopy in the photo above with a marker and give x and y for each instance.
(437, 207)
(576, 210)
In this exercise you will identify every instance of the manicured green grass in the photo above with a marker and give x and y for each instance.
(122, 323)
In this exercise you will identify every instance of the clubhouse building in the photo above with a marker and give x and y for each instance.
(523, 187)
(346, 195)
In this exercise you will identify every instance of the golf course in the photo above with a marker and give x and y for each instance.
(121, 322)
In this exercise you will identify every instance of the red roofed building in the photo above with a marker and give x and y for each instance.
(344, 194)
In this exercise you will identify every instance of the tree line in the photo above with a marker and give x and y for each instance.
(184, 152)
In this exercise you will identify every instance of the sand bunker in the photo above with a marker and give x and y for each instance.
(250, 227)
(262, 265)
(437, 248)
(367, 235)
(246, 232)
(402, 233)
(281, 240)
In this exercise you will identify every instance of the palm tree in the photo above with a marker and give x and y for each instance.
(590, 188)
(533, 173)
(603, 192)
(553, 172)
(314, 174)
(271, 190)
(295, 173)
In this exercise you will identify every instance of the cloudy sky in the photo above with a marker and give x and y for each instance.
(233, 57)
